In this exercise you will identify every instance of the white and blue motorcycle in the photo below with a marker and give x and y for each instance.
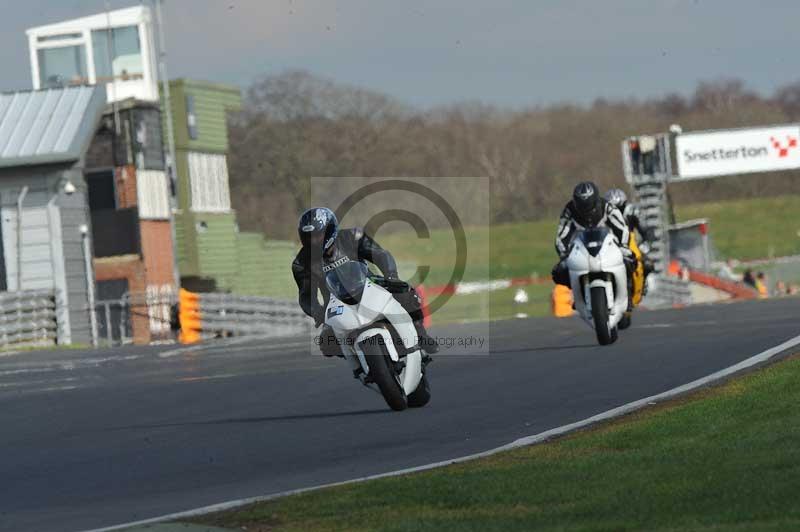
(599, 282)
(376, 334)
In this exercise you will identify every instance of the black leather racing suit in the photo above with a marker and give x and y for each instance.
(570, 223)
(350, 244)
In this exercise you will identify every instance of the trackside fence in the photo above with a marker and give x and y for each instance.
(669, 291)
(28, 318)
(210, 315)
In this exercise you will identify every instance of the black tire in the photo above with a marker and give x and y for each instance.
(605, 335)
(382, 373)
(422, 395)
(625, 322)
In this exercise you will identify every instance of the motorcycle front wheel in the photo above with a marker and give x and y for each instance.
(382, 373)
(605, 334)
(422, 395)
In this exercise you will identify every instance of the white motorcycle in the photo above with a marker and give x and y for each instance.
(376, 334)
(599, 281)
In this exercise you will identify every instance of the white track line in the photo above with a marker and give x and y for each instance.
(522, 442)
(249, 342)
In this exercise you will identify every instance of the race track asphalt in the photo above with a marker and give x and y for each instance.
(94, 438)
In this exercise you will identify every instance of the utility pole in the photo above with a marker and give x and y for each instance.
(167, 106)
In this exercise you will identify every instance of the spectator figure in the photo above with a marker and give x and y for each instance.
(793, 289)
(780, 289)
(647, 147)
(748, 278)
(633, 144)
(761, 285)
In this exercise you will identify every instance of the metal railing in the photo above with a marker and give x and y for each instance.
(669, 291)
(28, 318)
(235, 315)
(115, 317)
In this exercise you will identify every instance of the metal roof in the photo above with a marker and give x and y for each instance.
(48, 126)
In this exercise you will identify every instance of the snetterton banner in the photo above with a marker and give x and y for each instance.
(737, 151)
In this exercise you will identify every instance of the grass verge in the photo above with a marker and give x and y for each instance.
(725, 458)
(495, 305)
(753, 228)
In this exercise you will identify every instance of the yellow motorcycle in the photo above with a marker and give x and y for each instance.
(636, 283)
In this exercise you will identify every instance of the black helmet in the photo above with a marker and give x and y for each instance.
(587, 203)
(318, 226)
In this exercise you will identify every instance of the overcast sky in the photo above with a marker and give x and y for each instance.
(507, 52)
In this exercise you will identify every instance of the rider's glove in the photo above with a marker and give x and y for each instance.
(319, 318)
(328, 344)
(630, 259)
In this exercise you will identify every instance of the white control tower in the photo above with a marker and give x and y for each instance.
(115, 48)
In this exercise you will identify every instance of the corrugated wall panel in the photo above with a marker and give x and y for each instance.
(37, 260)
(152, 194)
(73, 215)
(212, 103)
(43, 253)
(265, 267)
(186, 240)
(216, 245)
(251, 254)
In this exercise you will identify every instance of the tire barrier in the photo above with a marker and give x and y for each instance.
(28, 318)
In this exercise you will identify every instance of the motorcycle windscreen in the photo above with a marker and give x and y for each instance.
(593, 239)
(347, 281)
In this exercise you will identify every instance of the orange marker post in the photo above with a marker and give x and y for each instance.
(189, 316)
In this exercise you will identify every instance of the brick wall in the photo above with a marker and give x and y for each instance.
(159, 269)
(157, 251)
(125, 178)
(150, 276)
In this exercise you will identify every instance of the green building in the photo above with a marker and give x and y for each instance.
(212, 254)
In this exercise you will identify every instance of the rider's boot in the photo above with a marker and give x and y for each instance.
(426, 341)
(649, 267)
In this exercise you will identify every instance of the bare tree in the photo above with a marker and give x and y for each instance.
(295, 126)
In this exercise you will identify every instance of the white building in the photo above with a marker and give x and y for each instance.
(115, 48)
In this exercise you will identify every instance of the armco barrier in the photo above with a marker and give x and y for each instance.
(668, 291)
(736, 290)
(28, 318)
(207, 315)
